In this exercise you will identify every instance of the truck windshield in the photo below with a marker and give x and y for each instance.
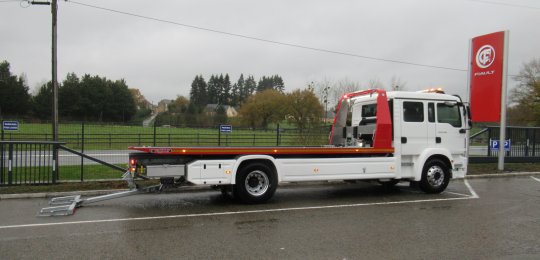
(448, 114)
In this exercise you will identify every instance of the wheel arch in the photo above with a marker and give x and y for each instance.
(248, 159)
(430, 154)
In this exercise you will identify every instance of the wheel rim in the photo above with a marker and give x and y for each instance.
(435, 176)
(257, 183)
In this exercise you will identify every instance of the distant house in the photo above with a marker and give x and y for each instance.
(163, 105)
(211, 109)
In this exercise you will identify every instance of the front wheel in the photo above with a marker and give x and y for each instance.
(255, 183)
(435, 176)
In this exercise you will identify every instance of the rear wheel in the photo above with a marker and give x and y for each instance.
(435, 176)
(255, 183)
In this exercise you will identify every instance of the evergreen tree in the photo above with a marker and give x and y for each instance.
(277, 83)
(42, 102)
(264, 84)
(235, 95)
(226, 90)
(250, 86)
(274, 82)
(194, 95)
(198, 93)
(14, 96)
(238, 91)
(69, 97)
(203, 92)
(213, 90)
(221, 89)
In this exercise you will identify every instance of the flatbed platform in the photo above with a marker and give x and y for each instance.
(261, 150)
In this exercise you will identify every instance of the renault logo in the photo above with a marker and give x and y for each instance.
(485, 56)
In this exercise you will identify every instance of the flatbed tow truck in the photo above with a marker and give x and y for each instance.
(419, 137)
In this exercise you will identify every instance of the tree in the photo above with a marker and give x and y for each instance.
(122, 106)
(198, 93)
(304, 109)
(179, 105)
(397, 84)
(42, 101)
(191, 114)
(525, 98)
(249, 87)
(69, 97)
(333, 91)
(238, 91)
(375, 83)
(263, 108)
(213, 90)
(274, 82)
(14, 96)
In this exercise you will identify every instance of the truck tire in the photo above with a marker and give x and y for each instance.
(435, 176)
(255, 183)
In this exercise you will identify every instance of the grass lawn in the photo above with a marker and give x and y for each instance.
(103, 137)
(90, 172)
(490, 168)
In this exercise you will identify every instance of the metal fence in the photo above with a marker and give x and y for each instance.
(98, 151)
(27, 162)
(524, 145)
(115, 136)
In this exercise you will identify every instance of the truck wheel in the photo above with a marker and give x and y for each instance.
(255, 183)
(435, 176)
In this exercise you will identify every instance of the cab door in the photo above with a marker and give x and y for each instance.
(451, 133)
(413, 127)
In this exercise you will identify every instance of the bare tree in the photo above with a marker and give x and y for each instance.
(397, 84)
(525, 98)
(375, 83)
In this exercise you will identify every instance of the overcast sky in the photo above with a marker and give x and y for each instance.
(161, 59)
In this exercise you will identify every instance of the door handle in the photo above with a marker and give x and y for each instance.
(403, 140)
(462, 131)
(438, 140)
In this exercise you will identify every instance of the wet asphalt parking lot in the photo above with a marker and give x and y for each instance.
(474, 219)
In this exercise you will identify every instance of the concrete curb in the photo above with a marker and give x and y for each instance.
(501, 175)
(198, 188)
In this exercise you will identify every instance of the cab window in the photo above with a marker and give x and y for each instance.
(413, 111)
(369, 110)
(448, 114)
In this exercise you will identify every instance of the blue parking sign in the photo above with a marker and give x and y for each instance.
(494, 145)
(225, 128)
(10, 125)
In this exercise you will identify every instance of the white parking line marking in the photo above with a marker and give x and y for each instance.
(458, 194)
(473, 196)
(473, 193)
(536, 179)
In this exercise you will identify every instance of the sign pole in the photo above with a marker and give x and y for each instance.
(502, 132)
